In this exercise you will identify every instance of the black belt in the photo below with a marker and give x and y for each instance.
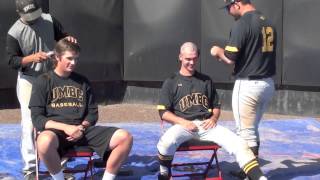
(253, 78)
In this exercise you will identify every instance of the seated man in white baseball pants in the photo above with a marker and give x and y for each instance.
(190, 102)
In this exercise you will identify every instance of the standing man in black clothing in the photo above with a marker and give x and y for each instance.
(64, 110)
(189, 101)
(251, 49)
(28, 41)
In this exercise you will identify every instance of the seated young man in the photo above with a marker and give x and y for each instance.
(64, 110)
(190, 102)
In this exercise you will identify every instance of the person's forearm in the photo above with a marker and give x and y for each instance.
(51, 124)
(26, 60)
(172, 118)
(215, 114)
(225, 59)
(218, 52)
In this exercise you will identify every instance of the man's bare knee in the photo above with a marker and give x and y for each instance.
(119, 137)
(46, 140)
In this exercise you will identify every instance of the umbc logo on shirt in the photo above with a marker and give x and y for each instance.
(193, 100)
(66, 104)
(67, 93)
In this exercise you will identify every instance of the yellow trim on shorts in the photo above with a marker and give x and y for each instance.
(161, 107)
(231, 49)
(250, 165)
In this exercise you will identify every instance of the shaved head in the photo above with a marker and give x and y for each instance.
(188, 57)
(188, 47)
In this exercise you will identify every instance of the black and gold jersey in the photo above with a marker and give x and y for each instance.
(68, 100)
(252, 45)
(190, 97)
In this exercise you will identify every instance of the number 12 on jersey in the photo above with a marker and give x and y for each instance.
(268, 37)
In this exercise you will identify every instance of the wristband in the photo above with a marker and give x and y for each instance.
(82, 128)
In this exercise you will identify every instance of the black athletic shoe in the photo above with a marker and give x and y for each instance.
(68, 176)
(163, 177)
(30, 176)
(239, 174)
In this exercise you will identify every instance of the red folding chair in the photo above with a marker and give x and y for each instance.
(197, 145)
(83, 152)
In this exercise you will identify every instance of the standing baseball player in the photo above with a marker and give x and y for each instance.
(251, 49)
(28, 41)
(190, 102)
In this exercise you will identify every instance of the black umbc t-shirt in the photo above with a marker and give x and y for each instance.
(252, 45)
(68, 100)
(191, 97)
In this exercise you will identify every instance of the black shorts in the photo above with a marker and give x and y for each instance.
(96, 137)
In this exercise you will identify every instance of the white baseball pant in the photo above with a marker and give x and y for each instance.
(222, 136)
(249, 101)
(24, 87)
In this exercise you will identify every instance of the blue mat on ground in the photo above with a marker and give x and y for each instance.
(290, 149)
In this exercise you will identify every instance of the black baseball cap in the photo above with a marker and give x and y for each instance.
(29, 10)
(227, 3)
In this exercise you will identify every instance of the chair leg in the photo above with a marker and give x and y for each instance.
(204, 173)
(214, 155)
(37, 166)
(89, 168)
(217, 164)
(36, 154)
(91, 165)
(85, 173)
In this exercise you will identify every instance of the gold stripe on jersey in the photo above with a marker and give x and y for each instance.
(161, 107)
(231, 49)
(250, 165)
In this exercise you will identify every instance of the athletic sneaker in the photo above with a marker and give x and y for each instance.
(68, 176)
(163, 177)
(30, 176)
(239, 174)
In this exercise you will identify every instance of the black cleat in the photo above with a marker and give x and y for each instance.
(239, 174)
(163, 177)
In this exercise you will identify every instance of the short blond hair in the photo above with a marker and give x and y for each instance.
(188, 46)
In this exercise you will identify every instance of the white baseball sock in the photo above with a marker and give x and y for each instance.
(164, 170)
(58, 176)
(263, 178)
(108, 176)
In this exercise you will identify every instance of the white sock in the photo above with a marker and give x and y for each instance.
(164, 170)
(263, 178)
(58, 176)
(108, 176)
